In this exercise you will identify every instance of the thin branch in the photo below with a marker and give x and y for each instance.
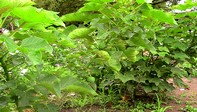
(4, 66)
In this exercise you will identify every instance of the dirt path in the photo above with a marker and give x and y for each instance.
(182, 96)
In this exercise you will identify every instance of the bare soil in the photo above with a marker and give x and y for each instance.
(183, 96)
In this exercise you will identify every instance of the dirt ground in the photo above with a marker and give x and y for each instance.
(183, 96)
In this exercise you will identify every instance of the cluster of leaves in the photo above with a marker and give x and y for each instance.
(134, 45)
(28, 76)
(124, 45)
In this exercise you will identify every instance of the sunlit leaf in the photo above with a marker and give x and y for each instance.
(35, 15)
(114, 61)
(103, 54)
(80, 33)
(91, 6)
(163, 48)
(143, 1)
(160, 16)
(131, 54)
(67, 42)
(48, 36)
(78, 16)
(101, 1)
(15, 3)
(187, 5)
(3, 10)
(114, 64)
(163, 53)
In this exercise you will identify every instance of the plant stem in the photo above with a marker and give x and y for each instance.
(4, 20)
(13, 33)
(5, 69)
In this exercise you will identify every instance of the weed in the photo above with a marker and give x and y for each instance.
(159, 108)
(189, 108)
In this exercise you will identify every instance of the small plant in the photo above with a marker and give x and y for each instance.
(159, 108)
(189, 108)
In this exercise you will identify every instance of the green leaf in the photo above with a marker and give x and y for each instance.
(12, 46)
(69, 29)
(179, 82)
(140, 1)
(33, 46)
(143, 1)
(101, 1)
(163, 53)
(126, 77)
(187, 5)
(35, 57)
(103, 54)
(114, 64)
(180, 46)
(15, 3)
(53, 87)
(35, 15)
(25, 99)
(131, 54)
(160, 16)
(91, 79)
(3, 10)
(73, 84)
(147, 89)
(166, 86)
(138, 40)
(48, 36)
(186, 65)
(49, 107)
(67, 42)
(78, 16)
(180, 55)
(177, 71)
(91, 6)
(114, 61)
(3, 100)
(35, 43)
(5, 109)
(80, 33)
(163, 48)
(52, 84)
(157, 81)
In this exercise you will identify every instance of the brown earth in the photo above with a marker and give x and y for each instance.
(183, 96)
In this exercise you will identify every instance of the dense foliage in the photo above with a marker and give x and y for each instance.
(126, 46)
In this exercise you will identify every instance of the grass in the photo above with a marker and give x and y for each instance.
(159, 108)
(189, 108)
(108, 103)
